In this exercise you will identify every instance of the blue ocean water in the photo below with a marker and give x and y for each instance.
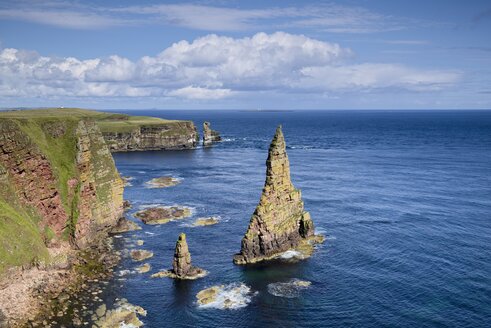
(403, 197)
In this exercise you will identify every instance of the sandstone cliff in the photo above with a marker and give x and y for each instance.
(210, 136)
(279, 222)
(156, 136)
(59, 187)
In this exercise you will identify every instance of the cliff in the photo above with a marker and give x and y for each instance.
(59, 187)
(279, 222)
(156, 134)
(210, 136)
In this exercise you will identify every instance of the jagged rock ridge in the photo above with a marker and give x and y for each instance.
(279, 222)
(210, 136)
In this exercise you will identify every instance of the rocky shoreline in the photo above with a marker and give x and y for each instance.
(39, 297)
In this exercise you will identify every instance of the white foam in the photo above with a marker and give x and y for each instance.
(291, 254)
(289, 289)
(232, 296)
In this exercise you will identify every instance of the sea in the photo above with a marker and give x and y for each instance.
(403, 199)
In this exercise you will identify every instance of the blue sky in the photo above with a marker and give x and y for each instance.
(246, 54)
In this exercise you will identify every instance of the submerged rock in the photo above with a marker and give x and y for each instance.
(205, 221)
(124, 315)
(162, 215)
(144, 268)
(124, 225)
(279, 222)
(289, 289)
(163, 182)
(181, 265)
(210, 136)
(140, 254)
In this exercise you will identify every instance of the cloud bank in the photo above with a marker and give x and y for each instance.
(213, 67)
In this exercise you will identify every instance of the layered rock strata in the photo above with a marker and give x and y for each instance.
(60, 193)
(166, 135)
(279, 222)
(181, 264)
(210, 136)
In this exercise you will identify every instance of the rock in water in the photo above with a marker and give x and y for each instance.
(210, 136)
(279, 222)
(182, 258)
(181, 265)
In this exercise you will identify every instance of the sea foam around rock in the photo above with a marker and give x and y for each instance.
(289, 289)
(231, 296)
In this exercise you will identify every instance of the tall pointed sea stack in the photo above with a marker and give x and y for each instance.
(279, 222)
(181, 265)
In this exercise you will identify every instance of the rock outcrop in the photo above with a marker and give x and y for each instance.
(166, 135)
(210, 136)
(279, 222)
(181, 264)
(163, 215)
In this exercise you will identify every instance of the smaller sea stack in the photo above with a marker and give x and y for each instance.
(210, 136)
(181, 265)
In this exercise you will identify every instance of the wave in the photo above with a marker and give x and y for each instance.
(232, 296)
(289, 289)
(291, 255)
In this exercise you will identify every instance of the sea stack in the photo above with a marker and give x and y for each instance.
(279, 222)
(181, 265)
(210, 136)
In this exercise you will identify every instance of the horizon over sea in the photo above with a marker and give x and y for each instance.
(403, 198)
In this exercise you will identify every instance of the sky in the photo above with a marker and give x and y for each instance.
(353, 54)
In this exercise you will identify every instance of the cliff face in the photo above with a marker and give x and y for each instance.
(210, 136)
(166, 135)
(58, 186)
(279, 222)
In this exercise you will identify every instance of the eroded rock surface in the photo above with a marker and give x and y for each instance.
(210, 136)
(162, 215)
(140, 254)
(124, 225)
(279, 222)
(200, 222)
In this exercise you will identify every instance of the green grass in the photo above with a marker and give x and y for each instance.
(107, 122)
(20, 239)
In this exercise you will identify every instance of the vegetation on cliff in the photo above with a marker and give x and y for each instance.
(58, 183)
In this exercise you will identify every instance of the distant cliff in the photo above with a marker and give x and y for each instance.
(136, 133)
(59, 187)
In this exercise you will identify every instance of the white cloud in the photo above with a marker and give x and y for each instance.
(191, 92)
(210, 68)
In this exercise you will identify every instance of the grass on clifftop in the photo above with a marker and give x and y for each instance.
(107, 122)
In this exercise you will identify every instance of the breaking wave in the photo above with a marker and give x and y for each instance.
(232, 296)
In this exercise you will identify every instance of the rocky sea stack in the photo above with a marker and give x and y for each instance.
(279, 222)
(210, 136)
(181, 265)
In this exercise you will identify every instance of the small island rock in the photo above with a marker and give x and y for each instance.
(162, 215)
(210, 136)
